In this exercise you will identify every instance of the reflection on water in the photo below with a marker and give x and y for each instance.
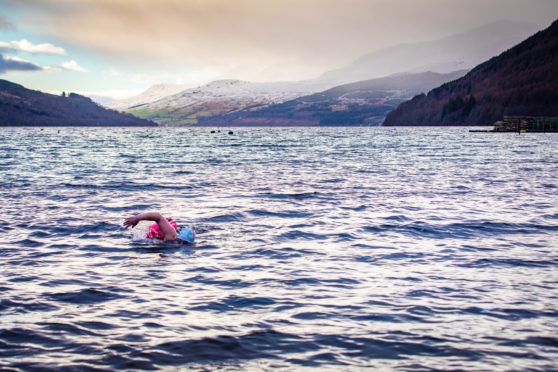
(339, 248)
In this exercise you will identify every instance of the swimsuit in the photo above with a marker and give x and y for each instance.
(155, 233)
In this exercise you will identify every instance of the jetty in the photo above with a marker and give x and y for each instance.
(524, 124)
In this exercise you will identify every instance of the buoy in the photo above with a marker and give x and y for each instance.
(231, 132)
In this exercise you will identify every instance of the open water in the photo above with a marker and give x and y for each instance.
(331, 249)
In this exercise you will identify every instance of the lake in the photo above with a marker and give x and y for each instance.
(317, 248)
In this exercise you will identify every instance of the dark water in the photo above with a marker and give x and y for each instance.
(337, 249)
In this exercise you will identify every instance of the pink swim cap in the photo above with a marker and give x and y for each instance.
(155, 233)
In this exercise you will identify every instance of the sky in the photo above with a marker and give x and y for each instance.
(118, 48)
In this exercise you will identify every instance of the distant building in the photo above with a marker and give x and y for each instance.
(526, 124)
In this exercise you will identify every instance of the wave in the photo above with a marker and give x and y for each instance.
(297, 196)
(462, 230)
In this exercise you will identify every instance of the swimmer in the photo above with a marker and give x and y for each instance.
(164, 229)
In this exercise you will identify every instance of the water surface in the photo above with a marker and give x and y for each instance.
(330, 248)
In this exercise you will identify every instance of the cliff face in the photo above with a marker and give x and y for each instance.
(20, 106)
(520, 81)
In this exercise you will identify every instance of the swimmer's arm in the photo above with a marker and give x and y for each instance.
(166, 228)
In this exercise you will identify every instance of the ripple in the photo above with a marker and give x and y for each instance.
(317, 248)
(14, 306)
(84, 296)
(232, 303)
(226, 218)
(297, 196)
(280, 214)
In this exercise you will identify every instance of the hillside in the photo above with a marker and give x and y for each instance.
(520, 81)
(461, 51)
(365, 102)
(20, 106)
(218, 98)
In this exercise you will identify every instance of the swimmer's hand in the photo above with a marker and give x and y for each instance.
(131, 221)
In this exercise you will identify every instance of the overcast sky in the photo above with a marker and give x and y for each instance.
(122, 46)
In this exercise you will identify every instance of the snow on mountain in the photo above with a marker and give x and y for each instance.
(222, 96)
(262, 93)
(362, 103)
(152, 94)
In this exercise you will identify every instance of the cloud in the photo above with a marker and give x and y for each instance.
(5, 24)
(8, 64)
(26, 46)
(254, 35)
(73, 66)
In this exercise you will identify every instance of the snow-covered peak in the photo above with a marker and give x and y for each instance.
(225, 83)
(234, 94)
(240, 88)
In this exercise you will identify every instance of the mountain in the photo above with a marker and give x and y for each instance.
(520, 81)
(152, 94)
(365, 102)
(212, 103)
(220, 97)
(455, 52)
(21, 106)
